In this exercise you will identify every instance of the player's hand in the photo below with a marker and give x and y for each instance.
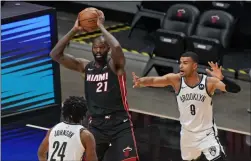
(136, 82)
(215, 70)
(77, 27)
(101, 18)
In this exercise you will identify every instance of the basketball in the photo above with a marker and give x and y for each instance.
(88, 19)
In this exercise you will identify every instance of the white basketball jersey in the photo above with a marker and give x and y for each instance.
(65, 143)
(195, 106)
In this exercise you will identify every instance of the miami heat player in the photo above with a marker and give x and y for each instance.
(105, 91)
(194, 96)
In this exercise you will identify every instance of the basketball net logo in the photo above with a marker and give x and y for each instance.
(127, 151)
(180, 12)
(212, 150)
(215, 18)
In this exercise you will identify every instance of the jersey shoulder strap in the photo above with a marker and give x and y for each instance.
(204, 78)
(182, 82)
(204, 82)
(181, 86)
(87, 66)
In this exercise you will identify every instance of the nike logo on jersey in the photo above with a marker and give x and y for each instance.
(183, 87)
(108, 117)
(125, 120)
(90, 69)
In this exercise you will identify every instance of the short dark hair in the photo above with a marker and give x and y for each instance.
(192, 55)
(74, 108)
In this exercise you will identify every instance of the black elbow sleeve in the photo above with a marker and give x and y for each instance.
(231, 86)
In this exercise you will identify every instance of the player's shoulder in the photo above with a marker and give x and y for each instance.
(87, 138)
(87, 63)
(174, 76)
(55, 127)
(86, 134)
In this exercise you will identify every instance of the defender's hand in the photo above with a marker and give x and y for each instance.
(215, 70)
(136, 82)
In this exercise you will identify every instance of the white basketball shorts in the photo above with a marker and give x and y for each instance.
(206, 142)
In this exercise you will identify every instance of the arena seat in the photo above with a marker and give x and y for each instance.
(212, 36)
(155, 10)
(178, 23)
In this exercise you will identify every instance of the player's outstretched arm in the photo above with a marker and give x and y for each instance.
(89, 143)
(218, 81)
(68, 61)
(163, 81)
(43, 148)
(117, 54)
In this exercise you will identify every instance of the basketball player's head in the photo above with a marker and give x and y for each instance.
(100, 49)
(74, 109)
(188, 64)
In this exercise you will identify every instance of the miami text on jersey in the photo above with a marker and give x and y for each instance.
(97, 77)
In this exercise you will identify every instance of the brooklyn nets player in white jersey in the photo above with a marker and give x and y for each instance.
(69, 140)
(194, 96)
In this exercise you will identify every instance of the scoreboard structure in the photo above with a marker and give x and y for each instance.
(30, 80)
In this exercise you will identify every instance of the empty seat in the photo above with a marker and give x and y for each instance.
(212, 36)
(179, 22)
(150, 9)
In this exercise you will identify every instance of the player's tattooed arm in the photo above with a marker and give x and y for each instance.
(68, 61)
(89, 144)
(43, 148)
(218, 81)
(163, 81)
(118, 58)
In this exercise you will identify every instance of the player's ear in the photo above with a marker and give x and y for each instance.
(195, 66)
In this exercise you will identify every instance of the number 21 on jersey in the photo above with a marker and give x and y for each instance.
(101, 87)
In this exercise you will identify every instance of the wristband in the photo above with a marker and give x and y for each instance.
(231, 86)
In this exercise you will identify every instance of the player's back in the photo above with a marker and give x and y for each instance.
(65, 142)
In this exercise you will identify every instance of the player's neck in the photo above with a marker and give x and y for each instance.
(70, 122)
(99, 64)
(193, 79)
